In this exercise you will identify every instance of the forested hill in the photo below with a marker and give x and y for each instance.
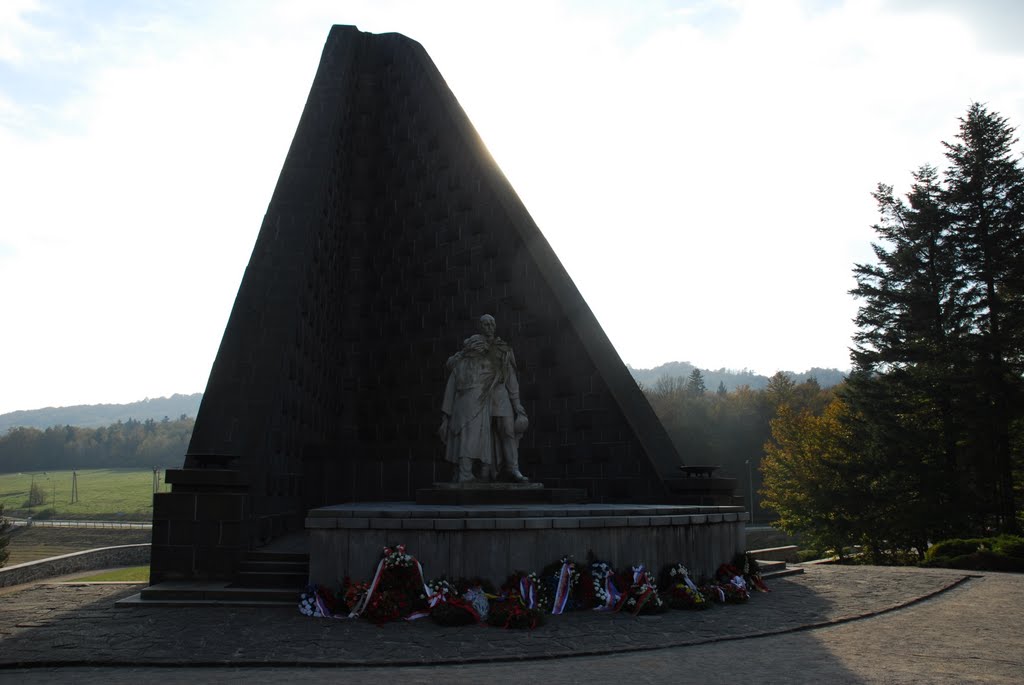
(732, 379)
(96, 415)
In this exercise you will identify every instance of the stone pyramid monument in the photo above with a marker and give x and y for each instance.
(390, 231)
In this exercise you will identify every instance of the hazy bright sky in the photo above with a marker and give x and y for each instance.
(702, 168)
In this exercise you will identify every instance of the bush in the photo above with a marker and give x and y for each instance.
(1003, 553)
(803, 555)
(956, 547)
(44, 514)
(982, 560)
(36, 496)
(1009, 545)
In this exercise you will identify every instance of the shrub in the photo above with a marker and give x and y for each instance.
(981, 560)
(1009, 545)
(956, 547)
(36, 496)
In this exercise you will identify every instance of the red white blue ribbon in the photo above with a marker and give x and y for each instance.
(528, 591)
(562, 592)
(612, 594)
(361, 606)
(321, 605)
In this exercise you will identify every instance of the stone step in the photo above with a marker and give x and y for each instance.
(136, 601)
(207, 593)
(261, 555)
(776, 569)
(782, 573)
(273, 566)
(783, 553)
(272, 579)
(770, 565)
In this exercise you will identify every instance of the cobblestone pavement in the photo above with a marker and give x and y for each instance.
(801, 632)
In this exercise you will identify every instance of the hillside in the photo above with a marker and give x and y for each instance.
(96, 415)
(731, 379)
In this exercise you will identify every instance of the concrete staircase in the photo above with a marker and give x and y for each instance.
(284, 570)
(271, 576)
(773, 561)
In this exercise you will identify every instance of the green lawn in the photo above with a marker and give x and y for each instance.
(133, 574)
(109, 494)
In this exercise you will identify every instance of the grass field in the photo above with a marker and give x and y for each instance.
(107, 494)
(31, 543)
(132, 573)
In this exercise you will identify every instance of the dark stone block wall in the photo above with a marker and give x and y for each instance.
(390, 232)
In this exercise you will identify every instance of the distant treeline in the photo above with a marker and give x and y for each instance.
(128, 444)
(732, 380)
(716, 427)
(96, 415)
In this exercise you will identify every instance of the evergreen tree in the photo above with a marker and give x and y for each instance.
(938, 354)
(985, 201)
(908, 360)
(695, 384)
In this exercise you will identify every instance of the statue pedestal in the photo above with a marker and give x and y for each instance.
(493, 541)
(498, 493)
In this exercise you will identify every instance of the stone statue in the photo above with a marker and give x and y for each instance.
(483, 419)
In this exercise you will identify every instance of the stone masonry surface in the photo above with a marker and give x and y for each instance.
(958, 636)
(77, 624)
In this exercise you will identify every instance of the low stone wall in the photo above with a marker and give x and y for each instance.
(490, 542)
(100, 558)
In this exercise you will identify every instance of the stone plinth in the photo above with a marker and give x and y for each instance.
(493, 541)
(498, 493)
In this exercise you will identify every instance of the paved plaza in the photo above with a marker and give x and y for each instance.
(833, 624)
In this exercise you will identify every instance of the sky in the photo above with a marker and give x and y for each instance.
(702, 168)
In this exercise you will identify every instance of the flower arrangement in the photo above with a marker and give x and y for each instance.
(607, 594)
(458, 603)
(562, 579)
(352, 593)
(751, 572)
(522, 602)
(713, 591)
(509, 611)
(320, 602)
(680, 591)
(642, 597)
(396, 591)
(532, 593)
(733, 586)
(308, 604)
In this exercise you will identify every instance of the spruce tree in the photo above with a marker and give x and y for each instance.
(695, 384)
(908, 359)
(985, 201)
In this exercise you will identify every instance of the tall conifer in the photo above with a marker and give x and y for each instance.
(985, 201)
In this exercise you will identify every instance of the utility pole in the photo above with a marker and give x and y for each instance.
(74, 486)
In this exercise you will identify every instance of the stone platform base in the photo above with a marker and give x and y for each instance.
(498, 493)
(493, 541)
